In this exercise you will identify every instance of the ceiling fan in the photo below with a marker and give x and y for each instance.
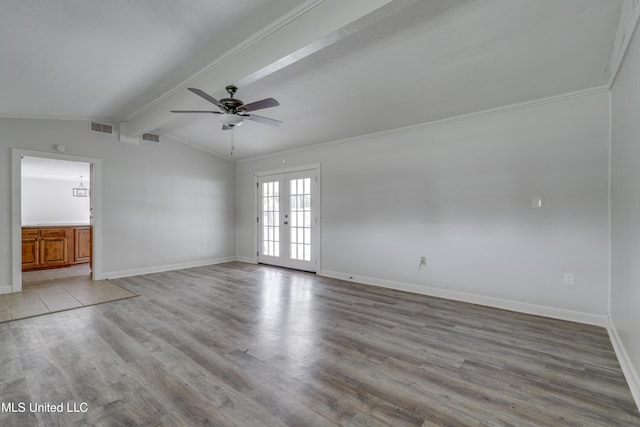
(233, 111)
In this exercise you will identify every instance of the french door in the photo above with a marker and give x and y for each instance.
(288, 226)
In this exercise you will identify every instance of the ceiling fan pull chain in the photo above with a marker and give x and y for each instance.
(233, 139)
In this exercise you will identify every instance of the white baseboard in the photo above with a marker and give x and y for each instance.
(161, 268)
(630, 373)
(539, 310)
(7, 289)
(247, 260)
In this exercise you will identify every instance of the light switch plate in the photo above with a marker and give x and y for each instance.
(536, 202)
(569, 279)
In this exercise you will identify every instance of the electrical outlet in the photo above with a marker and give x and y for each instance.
(536, 202)
(569, 279)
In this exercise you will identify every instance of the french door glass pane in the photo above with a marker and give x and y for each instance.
(271, 218)
(300, 209)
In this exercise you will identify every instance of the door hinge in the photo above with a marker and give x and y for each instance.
(257, 185)
(257, 219)
(257, 253)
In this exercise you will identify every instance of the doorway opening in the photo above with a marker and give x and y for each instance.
(55, 228)
(55, 220)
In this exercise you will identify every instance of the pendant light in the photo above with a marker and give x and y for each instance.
(80, 190)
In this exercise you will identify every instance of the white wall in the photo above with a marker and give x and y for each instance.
(459, 193)
(625, 215)
(50, 201)
(163, 205)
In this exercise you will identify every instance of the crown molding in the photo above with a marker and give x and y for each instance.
(199, 147)
(488, 112)
(61, 118)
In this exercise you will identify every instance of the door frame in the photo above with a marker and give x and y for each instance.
(256, 232)
(16, 210)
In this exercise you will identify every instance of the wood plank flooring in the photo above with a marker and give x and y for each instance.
(246, 345)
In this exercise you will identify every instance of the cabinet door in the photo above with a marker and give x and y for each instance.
(53, 246)
(82, 243)
(30, 248)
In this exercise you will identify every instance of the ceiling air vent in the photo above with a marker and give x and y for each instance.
(101, 128)
(151, 137)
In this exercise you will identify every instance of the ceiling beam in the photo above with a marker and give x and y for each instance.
(629, 17)
(319, 25)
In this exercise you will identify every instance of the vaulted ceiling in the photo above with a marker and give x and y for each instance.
(339, 69)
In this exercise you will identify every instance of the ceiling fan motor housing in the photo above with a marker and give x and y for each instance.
(232, 104)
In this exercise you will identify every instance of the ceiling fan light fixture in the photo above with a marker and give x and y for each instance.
(231, 119)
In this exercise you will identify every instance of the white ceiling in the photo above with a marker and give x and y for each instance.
(64, 170)
(408, 62)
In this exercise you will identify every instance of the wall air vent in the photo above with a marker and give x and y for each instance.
(151, 137)
(101, 128)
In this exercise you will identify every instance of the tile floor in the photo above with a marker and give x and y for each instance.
(48, 291)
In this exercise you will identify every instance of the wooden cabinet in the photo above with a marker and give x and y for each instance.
(30, 247)
(82, 244)
(52, 247)
(54, 250)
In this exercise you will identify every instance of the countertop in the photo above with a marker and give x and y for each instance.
(61, 224)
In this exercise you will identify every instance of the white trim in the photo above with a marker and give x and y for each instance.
(256, 230)
(630, 374)
(16, 221)
(64, 118)
(247, 260)
(237, 208)
(539, 310)
(16, 210)
(482, 113)
(198, 147)
(303, 168)
(7, 289)
(609, 205)
(168, 267)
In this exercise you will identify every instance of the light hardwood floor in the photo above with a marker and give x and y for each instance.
(247, 345)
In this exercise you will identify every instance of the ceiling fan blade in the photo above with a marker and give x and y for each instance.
(208, 97)
(259, 105)
(196, 111)
(265, 120)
